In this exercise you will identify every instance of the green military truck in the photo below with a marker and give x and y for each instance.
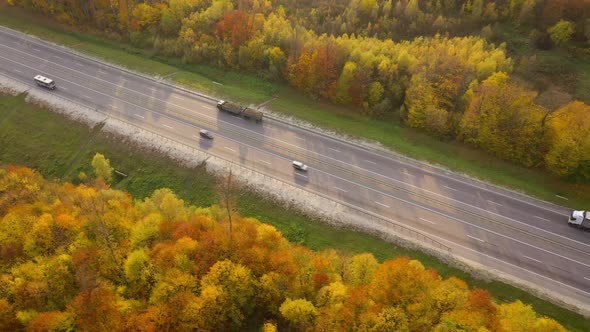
(235, 109)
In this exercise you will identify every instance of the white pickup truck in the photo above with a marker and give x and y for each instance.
(580, 219)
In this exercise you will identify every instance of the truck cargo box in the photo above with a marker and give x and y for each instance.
(229, 107)
(253, 114)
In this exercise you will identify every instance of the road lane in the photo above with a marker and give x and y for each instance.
(140, 87)
(330, 160)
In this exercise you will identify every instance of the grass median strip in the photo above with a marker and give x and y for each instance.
(34, 137)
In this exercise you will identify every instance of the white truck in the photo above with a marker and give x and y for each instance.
(580, 219)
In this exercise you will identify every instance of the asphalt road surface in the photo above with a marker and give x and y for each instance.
(497, 228)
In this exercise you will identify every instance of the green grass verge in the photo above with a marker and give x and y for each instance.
(34, 137)
(252, 90)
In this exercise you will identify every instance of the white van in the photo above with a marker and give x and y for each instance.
(299, 165)
(45, 82)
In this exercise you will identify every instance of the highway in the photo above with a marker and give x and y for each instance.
(497, 228)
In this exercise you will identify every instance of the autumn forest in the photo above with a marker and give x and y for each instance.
(86, 257)
(439, 66)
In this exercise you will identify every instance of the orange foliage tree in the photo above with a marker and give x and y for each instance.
(100, 261)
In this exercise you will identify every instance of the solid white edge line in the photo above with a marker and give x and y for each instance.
(475, 238)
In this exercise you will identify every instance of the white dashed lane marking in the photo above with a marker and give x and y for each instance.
(536, 260)
(408, 174)
(473, 237)
(428, 221)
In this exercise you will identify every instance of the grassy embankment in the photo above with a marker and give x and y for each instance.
(34, 137)
(250, 89)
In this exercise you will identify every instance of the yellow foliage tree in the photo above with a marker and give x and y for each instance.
(102, 167)
(300, 313)
(502, 118)
(568, 135)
